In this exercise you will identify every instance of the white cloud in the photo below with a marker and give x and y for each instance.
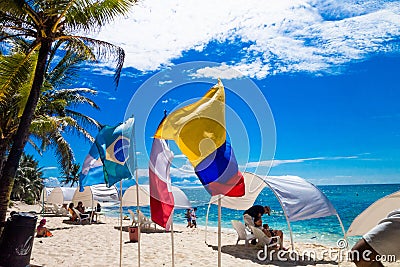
(51, 182)
(277, 162)
(224, 72)
(49, 168)
(278, 36)
(164, 82)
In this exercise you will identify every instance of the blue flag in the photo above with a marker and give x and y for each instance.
(109, 157)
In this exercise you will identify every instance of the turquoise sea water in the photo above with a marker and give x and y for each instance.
(349, 201)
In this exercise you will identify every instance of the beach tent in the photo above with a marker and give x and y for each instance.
(94, 194)
(45, 194)
(371, 216)
(61, 195)
(299, 199)
(129, 197)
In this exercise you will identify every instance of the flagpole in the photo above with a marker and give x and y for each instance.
(137, 193)
(120, 218)
(172, 239)
(219, 231)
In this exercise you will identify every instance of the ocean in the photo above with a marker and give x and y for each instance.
(349, 201)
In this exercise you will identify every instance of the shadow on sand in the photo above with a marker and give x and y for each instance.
(146, 230)
(250, 253)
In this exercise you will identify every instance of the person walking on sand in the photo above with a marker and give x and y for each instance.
(188, 218)
(193, 218)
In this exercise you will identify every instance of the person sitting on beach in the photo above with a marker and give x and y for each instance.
(74, 217)
(254, 213)
(80, 207)
(269, 232)
(42, 231)
(98, 207)
(382, 240)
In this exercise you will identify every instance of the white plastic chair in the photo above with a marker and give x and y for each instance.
(133, 218)
(145, 221)
(81, 217)
(242, 233)
(262, 239)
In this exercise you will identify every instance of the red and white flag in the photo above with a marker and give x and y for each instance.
(161, 197)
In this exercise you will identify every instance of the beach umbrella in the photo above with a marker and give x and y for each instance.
(371, 216)
(299, 199)
(129, 197)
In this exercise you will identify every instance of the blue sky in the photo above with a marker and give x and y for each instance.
(313, 85)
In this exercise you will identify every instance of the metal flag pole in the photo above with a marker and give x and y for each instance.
(172, 239)
(219, 231)
(137, 193)
(120, 218)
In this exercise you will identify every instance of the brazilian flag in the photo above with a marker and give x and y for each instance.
(115, 146)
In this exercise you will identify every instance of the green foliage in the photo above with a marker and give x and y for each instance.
(71, 176)
(28, 182)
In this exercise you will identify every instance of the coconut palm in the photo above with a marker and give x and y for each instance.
(46, 22)
(28, 180)
(71, 176)
(54, 116)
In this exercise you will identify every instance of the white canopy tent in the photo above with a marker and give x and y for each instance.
(371, 216)
(299, 199)
(61, 195)
(94, 194)
(45, 193)
(129, 197)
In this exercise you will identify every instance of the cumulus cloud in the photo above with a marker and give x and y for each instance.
(224, 72)
(273, 37)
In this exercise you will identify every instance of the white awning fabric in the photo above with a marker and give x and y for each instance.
(94, 194)
(371, 216)
(61, 195)
(129, 197)
(253, 186)
(299, 199)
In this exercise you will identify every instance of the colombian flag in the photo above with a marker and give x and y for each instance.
(199, 131)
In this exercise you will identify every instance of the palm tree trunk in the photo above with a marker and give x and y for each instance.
(22, 134)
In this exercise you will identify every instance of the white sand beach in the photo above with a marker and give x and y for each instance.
(98, 245)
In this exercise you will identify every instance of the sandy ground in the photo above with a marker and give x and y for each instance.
(99, 245)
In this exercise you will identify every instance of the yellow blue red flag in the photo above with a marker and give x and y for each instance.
(199, 131)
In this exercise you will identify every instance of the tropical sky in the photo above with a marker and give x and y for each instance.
(312, 87)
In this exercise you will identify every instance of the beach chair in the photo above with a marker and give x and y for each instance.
(59, 211)
(133, 218)
(145, 221)
(242, 233)
(262, 239)
(81, 217)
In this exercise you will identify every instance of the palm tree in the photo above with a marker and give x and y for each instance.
(71, 175)
(46, 22)
(53, 117)
(28, 180)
